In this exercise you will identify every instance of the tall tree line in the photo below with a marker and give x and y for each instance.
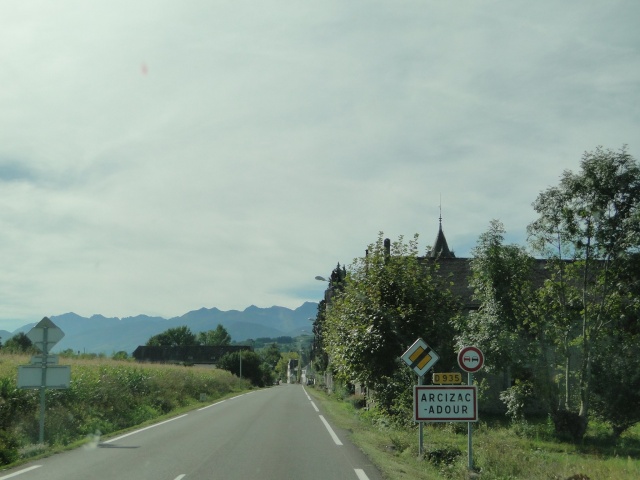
(558, 320)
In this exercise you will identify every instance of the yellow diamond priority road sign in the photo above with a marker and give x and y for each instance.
(420, 357)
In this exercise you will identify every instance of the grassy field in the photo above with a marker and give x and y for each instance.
(105, 396)
(501, 452)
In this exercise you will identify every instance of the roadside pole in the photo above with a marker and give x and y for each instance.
(470, 430)
(421, 358)
(420, 425)
(44, 371)
(470, 359)
(43, 385)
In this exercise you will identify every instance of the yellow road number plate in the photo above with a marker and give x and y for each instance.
(447, 378)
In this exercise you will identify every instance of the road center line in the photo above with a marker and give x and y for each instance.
(20, 472)
(361, 475)
(331, 432)
(143, 429)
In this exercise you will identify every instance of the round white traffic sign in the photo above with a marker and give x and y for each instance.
(470, 359)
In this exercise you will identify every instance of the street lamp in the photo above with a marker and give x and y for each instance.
(322, 279)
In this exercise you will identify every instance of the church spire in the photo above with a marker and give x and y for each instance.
(440, 248)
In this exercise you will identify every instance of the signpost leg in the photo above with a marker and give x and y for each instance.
(470, 429)
(420, 427)
(43, 385)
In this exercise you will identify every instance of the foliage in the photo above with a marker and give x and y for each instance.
(19, 343)
(592, 219)
(503, 326)
(616, 382)
(508, 326)
(515, 398)
(390, 298)
(336, 286)
(271, 355)
(219, 336)
(173, 337)
(281, 366)
(259, 374)
(120, 355)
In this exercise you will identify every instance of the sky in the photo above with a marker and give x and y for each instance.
(157, 157)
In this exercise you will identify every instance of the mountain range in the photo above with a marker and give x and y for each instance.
(99, 334)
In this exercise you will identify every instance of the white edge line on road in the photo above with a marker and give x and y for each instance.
(212, 405)
(180, 477)
(314, 406)
(143, 429)
(20, 472)
(305, 392)
(331, 432)
(360, 473)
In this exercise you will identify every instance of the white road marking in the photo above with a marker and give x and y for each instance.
(361, 475)
(305, 392)
(20, 472)
(331, 432)
(143, 429)
(180, 477)
(212, 405)
(314, 406)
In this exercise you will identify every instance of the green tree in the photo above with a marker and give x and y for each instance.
(336, 286)
(219, 336)
(616, 381)
(173, 337)
(19, 343)
(252, 367)
(121, 355)
(588, 226)
(281, 366)
(390, 298)
(507, 326)
(271, 355)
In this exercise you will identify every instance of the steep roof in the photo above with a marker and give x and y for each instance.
(440, 248)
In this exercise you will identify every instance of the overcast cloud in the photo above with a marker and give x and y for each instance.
(157, 157)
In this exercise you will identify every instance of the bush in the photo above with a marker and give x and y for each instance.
(8, 448)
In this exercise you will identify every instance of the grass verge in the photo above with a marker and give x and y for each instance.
(501, 452)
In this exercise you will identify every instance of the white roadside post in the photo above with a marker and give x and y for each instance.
(470, 360)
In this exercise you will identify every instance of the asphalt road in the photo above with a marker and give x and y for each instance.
(272, 434)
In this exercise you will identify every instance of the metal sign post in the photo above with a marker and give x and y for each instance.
(470, 360)
(43, 383)
(421, 358)
(44, 336)
(420, 425)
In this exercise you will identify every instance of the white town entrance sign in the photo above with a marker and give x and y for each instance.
(446, 403)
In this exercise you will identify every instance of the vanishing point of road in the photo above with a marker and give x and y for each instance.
(277, 433)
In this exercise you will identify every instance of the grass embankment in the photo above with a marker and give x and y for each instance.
(105, 396)
(501, 452)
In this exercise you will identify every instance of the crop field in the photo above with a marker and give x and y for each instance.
(104, 396)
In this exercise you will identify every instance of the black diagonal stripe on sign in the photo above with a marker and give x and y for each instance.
(417, 361)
